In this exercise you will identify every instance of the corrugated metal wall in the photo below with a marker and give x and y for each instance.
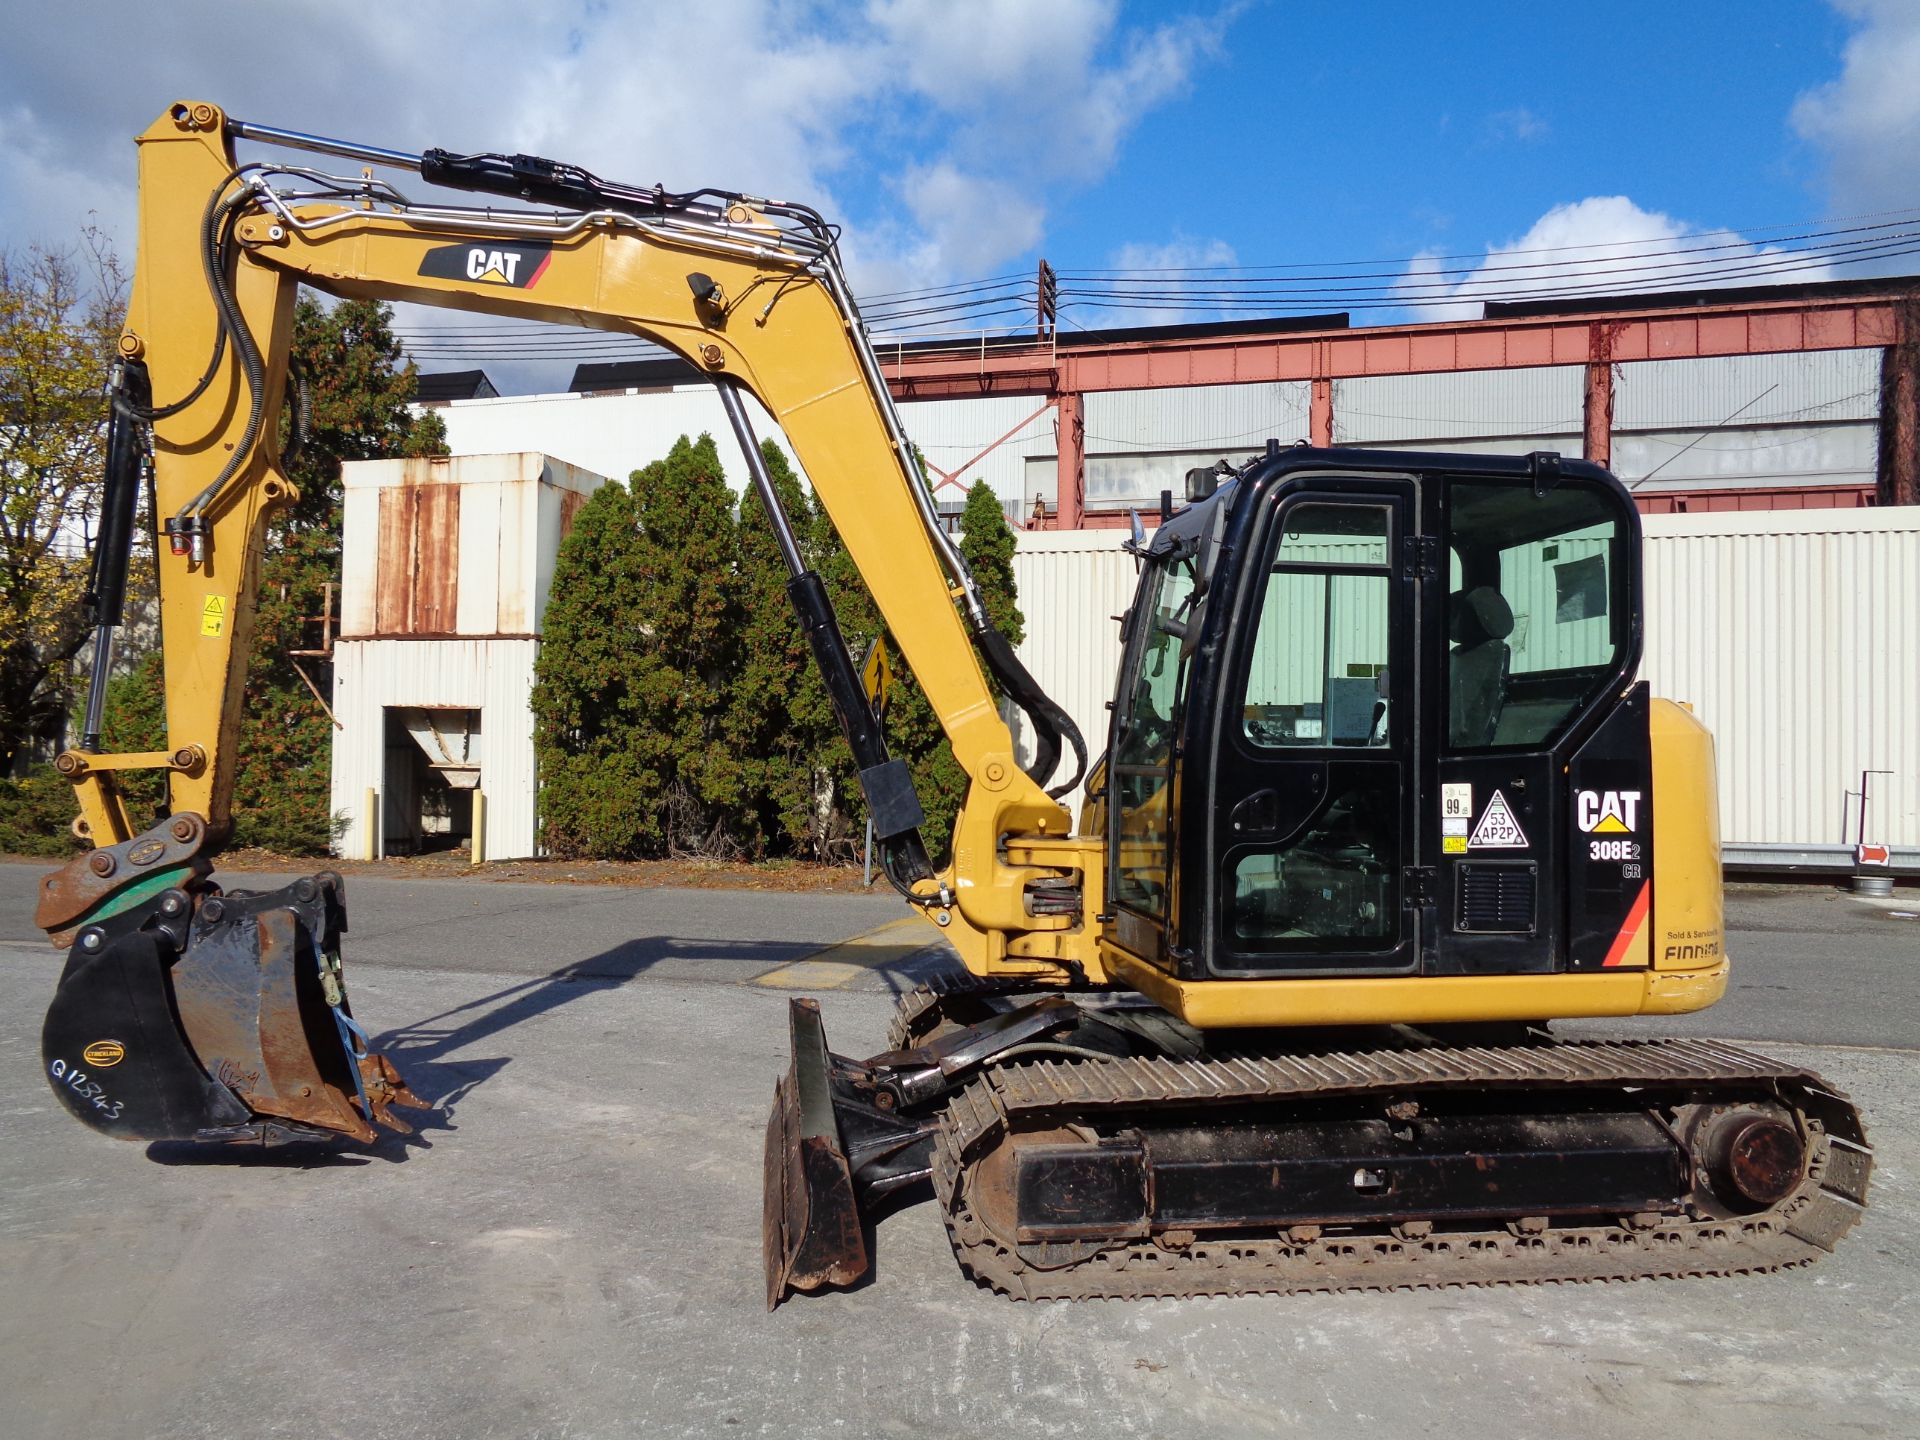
(1807, 386)
(1795, 635)
(1808, 418)
(492, 677)
(1219, 418)
(1074, 585)
(1748, 420)
(1473, 405)
(1140, 442)
(952, 432)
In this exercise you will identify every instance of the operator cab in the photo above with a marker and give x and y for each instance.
(1356, 689)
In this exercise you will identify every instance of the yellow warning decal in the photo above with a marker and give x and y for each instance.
(102, 1054)
(1453, 844)
(213, 615)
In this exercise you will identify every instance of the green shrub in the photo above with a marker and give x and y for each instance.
(677, 708)
(36, 813)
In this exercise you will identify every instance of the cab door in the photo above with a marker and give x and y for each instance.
(1315, 853)
(1143, 776)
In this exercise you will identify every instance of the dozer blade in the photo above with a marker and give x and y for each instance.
(241, 1034)
(811, 1228)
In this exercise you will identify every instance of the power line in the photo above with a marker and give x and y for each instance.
(1753, 238)
(965, 312)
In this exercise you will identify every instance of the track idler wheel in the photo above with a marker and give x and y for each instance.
(1754, 1157)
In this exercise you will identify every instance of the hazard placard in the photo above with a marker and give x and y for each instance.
(877, 675)
(1499, 828)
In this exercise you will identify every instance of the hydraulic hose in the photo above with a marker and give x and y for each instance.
(215, 226)
(1050, 722)
(252, 366)
(302, 405)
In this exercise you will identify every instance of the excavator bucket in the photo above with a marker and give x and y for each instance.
(226, 1022)
(811, 1230)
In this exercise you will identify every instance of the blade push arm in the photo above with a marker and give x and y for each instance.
(749, 292)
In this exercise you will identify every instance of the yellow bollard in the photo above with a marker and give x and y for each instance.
(477, 845)
(370, 831)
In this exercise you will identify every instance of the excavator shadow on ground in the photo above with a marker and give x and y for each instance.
(424, 1050)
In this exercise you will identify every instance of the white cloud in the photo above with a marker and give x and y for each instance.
(940, 134)
(1177, 254)
(1519, 124)
(1600, 245)
(1175, 260)
(974, 223)
(1867, 121)
(1028, 82)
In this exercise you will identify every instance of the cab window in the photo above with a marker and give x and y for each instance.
(1143, 749)
(1536, 610)
(1319, 667)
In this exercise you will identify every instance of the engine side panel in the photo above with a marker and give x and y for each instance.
(1688, 924)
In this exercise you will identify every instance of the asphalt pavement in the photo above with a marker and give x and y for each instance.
(570, 1246)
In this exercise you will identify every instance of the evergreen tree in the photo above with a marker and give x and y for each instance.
(913, 731)
(986, 542)
(597, 798)
(773, 715)
(838, 829)
(642, 634)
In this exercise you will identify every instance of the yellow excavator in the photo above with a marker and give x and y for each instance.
(1381, 798)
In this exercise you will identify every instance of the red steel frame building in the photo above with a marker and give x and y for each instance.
(1596, 334)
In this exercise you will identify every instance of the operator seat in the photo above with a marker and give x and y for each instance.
(1480, 622)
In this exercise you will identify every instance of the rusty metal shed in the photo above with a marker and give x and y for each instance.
(446, 567)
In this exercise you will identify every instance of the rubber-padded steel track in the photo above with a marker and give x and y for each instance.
(1047, 1095)
(917, 1012)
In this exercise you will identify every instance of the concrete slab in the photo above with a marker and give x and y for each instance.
(570, 1247)
(907, 945)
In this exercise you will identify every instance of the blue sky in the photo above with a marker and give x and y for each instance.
(1312, 135)
(960, 140)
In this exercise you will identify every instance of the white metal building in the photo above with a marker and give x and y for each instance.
(443, 599)
(1793, 634)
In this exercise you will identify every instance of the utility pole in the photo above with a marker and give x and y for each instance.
(1046, 301)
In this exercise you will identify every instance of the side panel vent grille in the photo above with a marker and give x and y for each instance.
(1495, 897)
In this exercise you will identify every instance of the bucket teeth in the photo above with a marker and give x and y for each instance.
(384, 1089)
